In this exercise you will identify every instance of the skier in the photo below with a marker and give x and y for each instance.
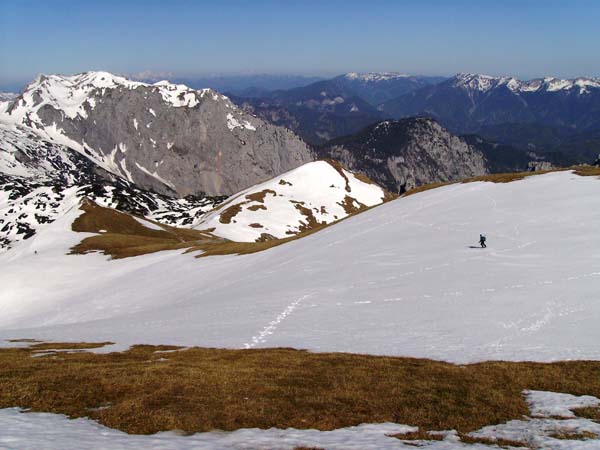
(482, 241)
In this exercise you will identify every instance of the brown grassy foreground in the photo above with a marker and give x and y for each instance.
(199, 389)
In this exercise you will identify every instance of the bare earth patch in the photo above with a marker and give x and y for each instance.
(311, 222)
(230, 212)
(256, 207)
(260, 196)
(351, 205)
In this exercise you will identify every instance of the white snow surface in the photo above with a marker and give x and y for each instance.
(32, 431)
(73, 94)
(551, 404)
(148, 224)
(484, 83)
(317, 186)
(7, 96)
(375, 76)
(233, 123)
(405, 278)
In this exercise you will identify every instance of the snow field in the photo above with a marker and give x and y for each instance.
(400, 279)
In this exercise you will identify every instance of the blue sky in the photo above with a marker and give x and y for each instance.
(526, 38)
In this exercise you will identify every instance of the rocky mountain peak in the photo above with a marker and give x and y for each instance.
(402, 154)
(165, 137)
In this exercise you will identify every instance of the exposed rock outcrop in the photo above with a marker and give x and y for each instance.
(402, 154)
(163, 137)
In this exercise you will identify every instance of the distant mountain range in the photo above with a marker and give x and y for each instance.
(249, 85)
(545, 115)
(379, 87)
(331, 108)
(403, 154)
(467, 102)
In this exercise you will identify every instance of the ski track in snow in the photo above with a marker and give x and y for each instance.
(391, 281)
(267, 331)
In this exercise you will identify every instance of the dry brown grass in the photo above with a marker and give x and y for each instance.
(387, 196)
(227, 214)
(587, 171)
(311, 221)
(256, 207)
(340, 169)
(492, 178)
(230, 212)
(425, 187)
(507, 177)
(589, 413)
(419, 435)
(260, 196)
(308, 448)
(503, 443)
(349, 205)
(126, 237)
(68, 345)
(574, 435)
(203, 389)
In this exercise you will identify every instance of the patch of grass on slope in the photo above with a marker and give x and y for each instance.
(199, 389)
(120, 235)
(126, 237)
(508, 177)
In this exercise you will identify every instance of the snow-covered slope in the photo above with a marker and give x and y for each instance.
(404, 278)
(162, 136)
(314, 194)
(469, 103)
(40, 180)
(375, 76)
(7, 96)
(484, 83)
